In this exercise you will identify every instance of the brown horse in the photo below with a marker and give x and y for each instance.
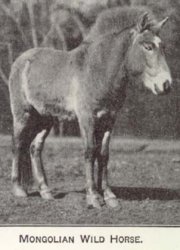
(89, 82)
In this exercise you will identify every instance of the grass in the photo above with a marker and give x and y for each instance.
(142, 173)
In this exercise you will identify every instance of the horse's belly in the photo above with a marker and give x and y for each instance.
(62, 105)
(54, 108)
(59, 110)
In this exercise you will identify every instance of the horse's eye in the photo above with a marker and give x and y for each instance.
(148, 46)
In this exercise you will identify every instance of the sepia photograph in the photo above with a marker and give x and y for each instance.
(90, 114)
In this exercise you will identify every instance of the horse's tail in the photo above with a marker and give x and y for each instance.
(26, 172)
(25, 169)
(18, 109)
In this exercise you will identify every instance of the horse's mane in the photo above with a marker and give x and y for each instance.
(117, 19)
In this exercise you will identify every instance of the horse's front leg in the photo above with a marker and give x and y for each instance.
(103, 158)
(93, 198)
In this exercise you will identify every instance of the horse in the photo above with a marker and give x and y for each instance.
(123, 47)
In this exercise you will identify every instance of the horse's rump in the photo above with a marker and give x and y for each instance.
(41, 78)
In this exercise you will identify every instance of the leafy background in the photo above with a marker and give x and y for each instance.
(62, 24)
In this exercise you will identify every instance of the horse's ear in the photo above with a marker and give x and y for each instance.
(159, 25)
(143, 22)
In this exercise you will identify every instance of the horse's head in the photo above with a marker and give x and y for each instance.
(146, 57)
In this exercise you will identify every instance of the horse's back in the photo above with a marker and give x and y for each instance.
(43, 63)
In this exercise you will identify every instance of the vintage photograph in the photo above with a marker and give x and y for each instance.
(89, 112)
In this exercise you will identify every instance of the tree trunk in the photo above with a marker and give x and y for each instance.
(32, 23)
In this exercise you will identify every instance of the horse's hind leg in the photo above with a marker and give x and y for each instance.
(103, 140)
(36, 159)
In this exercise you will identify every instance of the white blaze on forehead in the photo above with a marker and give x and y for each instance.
(157, 41)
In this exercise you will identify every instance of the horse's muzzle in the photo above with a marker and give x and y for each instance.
(166, 88)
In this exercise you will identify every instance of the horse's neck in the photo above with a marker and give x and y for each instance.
(104, 67)
(109, 56)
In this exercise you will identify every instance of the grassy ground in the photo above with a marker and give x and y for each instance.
(144, 174)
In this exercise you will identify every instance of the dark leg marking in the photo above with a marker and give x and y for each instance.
(87, 130)
(21, 166)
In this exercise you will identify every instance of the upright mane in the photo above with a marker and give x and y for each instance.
(117, 19)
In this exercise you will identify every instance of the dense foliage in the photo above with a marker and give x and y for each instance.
(63, 24)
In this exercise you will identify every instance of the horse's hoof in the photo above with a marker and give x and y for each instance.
(46, 195)
(18, 191)
(110, 199)
(93, 201)
(113, 203)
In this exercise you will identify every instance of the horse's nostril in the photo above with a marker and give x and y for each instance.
(166, 85)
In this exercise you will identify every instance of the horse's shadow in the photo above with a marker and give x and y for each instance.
(143, 193)
(137, 193)
(56, 195)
